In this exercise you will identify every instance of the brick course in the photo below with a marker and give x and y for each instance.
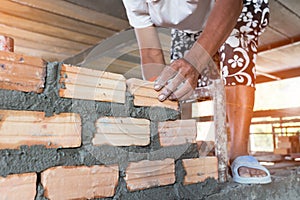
(121, 131)
(22, 73)
(18, 186)
(199, 169)
(145, 95)
(19, 128)
(147, 174)
(177, 132)
(80, 182)
(83, 83)
(93, 135)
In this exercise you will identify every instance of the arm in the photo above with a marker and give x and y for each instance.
(152, 59)
(220, 23)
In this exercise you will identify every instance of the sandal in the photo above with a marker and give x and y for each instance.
(249, 162)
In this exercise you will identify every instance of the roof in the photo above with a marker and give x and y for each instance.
(58, 30)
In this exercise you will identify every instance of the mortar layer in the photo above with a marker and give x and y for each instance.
(284, 187)
(39, 158)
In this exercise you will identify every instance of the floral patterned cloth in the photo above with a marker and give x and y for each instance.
(237, 56)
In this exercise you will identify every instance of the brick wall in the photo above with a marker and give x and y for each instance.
(73, 133)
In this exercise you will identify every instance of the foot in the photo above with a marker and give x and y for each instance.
(251, 172)
(246, 169)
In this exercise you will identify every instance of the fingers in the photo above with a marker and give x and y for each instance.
(177, 81)
(167, 74)
(184, 92)
(172, 86)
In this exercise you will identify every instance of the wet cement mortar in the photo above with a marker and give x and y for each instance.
(38, 158)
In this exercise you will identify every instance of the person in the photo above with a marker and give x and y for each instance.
(200, 29)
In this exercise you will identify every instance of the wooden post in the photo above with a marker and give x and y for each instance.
(218, 95)
(274, 137)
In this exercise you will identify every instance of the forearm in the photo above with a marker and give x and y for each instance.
(152, 62)
(152, 59)
(151, 56)
(220, 23)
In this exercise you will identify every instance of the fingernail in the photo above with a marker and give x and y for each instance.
(156, 87)
(161, 97)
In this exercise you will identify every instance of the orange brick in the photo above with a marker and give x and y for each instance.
(120, 131)
(177, 132)
(80, 182)
(33, 128)
(18, 186)
(146, 174)
(199, 169)
(145, 95)
(23, 73)
(83, 83)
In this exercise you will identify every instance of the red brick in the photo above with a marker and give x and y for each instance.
(145, 95)
(83, 83)
(199, 169)
(177, 132)
(18, 186)
(121, 131)
(80, 182)
(20, 72)
(146, 174)
(33, 128)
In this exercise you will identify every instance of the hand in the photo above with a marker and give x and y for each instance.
(177, 81)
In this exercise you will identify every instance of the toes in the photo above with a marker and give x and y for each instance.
(262, 173)
(257, 173)
(254, 173)
(251, 172)
(244, 172)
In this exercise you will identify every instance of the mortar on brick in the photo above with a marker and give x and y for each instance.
(50, 103)
(283, 187)
(154, 113)
(39, 158)
(16, 100)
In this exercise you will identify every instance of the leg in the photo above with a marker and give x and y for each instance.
(237, 57)
(239, 112)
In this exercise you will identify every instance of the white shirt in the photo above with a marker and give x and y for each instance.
(188, 15)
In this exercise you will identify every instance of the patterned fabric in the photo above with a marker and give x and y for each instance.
(238, 54)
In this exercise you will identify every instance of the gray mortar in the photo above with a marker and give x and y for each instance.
(40, 193)
(38, 158)
(284, 186)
